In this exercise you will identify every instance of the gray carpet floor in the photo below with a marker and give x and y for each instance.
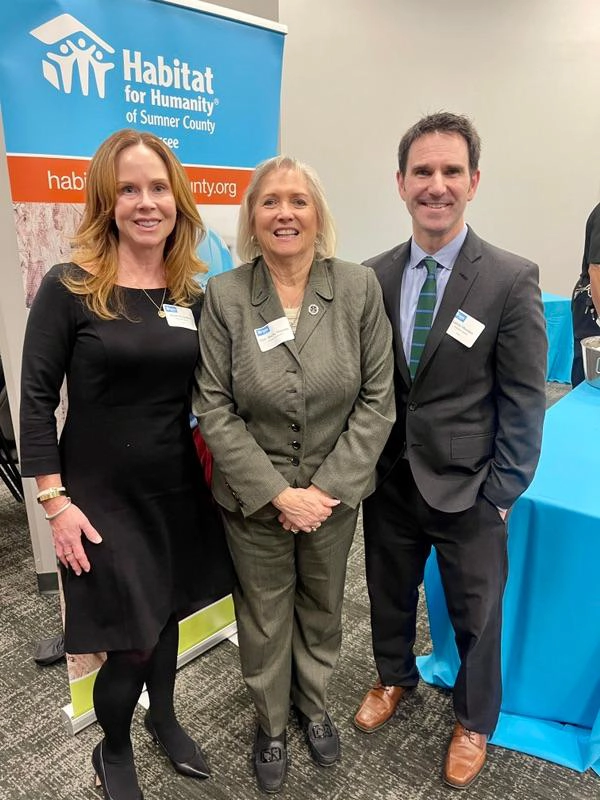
(39, 760)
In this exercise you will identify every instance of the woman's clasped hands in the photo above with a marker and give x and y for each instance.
(304, 509)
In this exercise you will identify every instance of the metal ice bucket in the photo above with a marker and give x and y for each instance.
(590, 349)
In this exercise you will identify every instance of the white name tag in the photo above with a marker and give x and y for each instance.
(464, 328)
(273, 334)
(179, 317)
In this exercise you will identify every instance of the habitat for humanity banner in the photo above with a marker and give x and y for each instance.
(72, 72)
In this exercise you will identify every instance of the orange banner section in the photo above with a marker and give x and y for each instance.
(47, 179)
(218, 185)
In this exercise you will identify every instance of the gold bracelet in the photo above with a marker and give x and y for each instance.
(60, 510)
(51, 493)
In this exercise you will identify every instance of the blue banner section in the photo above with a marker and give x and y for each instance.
(74, 71)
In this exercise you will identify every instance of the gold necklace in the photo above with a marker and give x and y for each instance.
(295, 302)
(287, 299)
(159, 308)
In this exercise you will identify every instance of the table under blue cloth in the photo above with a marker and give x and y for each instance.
(559, 327)
(551, 629)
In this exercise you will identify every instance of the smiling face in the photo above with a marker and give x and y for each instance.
(285, 219)
(145, 211)
(436, 188)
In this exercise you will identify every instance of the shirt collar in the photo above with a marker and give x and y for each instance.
(446, 256)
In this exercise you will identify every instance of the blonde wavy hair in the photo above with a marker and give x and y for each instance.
(95, 245)
(248, 246)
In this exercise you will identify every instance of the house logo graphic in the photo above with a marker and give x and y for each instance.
(77, 57)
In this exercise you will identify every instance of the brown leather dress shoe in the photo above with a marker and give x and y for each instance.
(378, 706)
(465, 758)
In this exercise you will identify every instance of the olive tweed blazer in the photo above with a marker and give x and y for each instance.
(316, 409)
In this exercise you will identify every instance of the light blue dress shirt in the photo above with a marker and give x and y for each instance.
(414, 277)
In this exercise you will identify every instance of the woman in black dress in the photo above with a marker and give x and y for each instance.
(123, 491)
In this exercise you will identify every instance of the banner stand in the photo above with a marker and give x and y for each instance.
(195, 628)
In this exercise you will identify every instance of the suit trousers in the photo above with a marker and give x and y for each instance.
(400, 528)
(288, 604)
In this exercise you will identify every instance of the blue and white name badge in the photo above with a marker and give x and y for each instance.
(464, 328)
(179, 317)
(273, 334)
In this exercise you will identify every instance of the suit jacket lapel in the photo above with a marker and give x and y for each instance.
(464, 273)
(265, 297)
(318, 295)
(391, 284)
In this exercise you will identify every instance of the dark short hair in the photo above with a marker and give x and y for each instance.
(441, 122)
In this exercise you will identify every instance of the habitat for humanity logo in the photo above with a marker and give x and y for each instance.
(77, 51)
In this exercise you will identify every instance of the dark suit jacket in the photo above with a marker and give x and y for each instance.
(472, 419)
(317, 409)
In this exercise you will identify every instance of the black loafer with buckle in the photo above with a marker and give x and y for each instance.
(270, 760)
(322, 737)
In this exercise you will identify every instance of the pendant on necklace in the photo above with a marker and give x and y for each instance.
(159, 308)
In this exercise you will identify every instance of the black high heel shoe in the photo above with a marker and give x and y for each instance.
(109, 786)
(194, 767)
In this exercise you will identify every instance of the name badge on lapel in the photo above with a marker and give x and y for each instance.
(464, 328)
(273, 334)
(180, 317)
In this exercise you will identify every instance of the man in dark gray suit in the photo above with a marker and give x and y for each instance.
(470, 360)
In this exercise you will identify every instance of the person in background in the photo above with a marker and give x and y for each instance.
(123, 490)
(585, 305)
(294, 397)
(470, 347)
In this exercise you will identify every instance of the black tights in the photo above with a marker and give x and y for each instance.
(118, 686)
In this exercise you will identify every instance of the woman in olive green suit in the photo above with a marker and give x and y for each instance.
(294, 398)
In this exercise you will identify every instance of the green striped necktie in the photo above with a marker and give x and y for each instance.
(423, 314)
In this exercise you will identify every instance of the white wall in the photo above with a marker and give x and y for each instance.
(358, 73)
(268, 9)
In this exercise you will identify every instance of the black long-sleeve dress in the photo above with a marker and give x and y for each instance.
(127, 459)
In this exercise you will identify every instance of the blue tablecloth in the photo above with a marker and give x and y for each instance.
(559, 327)
(551, 632)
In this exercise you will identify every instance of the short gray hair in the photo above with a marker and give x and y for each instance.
(247, 246)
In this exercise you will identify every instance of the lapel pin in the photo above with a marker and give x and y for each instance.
(313, 309)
